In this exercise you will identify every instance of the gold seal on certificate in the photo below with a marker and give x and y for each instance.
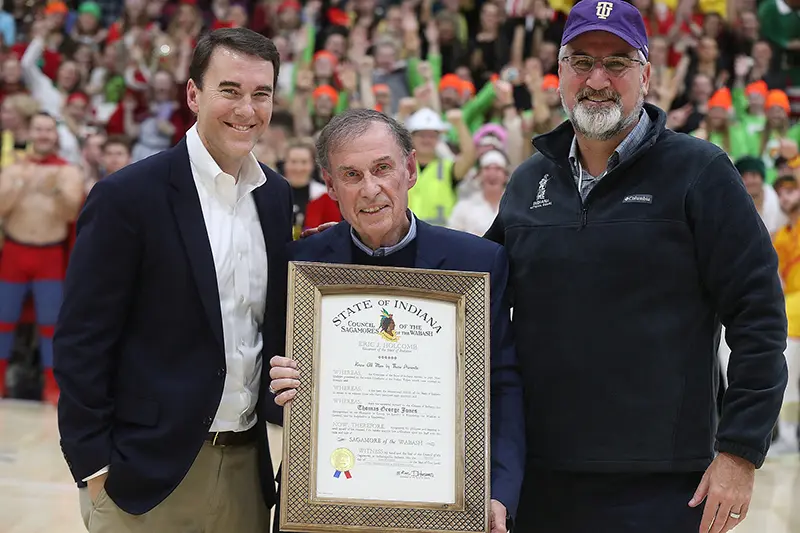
(392, 433)
(342, 461)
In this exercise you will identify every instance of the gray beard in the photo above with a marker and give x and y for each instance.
(602, 124)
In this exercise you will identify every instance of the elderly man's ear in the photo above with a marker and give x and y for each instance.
(328, 179)
(411, 166)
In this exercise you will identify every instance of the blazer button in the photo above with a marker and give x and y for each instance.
(221, 372)
(208, 421)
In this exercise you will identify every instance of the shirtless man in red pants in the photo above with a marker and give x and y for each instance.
(39, 197)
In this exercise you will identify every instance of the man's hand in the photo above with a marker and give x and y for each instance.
(497, 518)
(313, 231)
(728, 487)
(455, 117)
(95, 485)
(285, 379)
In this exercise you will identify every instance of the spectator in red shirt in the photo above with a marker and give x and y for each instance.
(163, 126)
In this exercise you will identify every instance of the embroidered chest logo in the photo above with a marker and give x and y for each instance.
(541, 195)
(604, 9)
(638, 199)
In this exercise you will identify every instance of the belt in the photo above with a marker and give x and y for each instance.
(232, 438)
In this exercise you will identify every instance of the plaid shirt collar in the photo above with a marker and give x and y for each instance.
(626, 148)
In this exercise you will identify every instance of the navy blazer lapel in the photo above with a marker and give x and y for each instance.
(338, 249)
(430, 254)
(269, 214)
(275, 220)
(188, 213)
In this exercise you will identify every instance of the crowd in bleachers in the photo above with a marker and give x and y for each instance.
(473, 80)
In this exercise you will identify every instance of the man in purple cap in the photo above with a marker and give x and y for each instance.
(629, 246)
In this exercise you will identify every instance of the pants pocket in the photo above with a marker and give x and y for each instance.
(101, 498)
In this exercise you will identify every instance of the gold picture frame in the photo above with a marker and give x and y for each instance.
(303, 509)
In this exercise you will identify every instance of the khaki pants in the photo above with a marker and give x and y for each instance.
(221, 493)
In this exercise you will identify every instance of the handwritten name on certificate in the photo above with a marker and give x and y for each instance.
(387, 402)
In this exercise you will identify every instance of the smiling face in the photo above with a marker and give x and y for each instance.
(44, 134)
(789, 197)
(77, 109)
(600, 105)
(68, 76)
(299, 165)
(370, 178)
(777, 118)
(12, 71)
(717, 118)
(425, 141)
(234, 106)
(115, 157)
(493, 179)
(753, 182)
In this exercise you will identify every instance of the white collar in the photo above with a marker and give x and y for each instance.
(208, 172)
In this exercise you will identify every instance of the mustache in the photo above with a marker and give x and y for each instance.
(605, 94)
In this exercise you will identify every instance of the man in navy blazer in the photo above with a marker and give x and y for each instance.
(176, 287)
(371, 184)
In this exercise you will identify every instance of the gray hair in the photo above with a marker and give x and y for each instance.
(562, 53)
(348, 126)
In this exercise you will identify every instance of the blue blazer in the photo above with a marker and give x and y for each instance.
(446, 249)
(138, 343)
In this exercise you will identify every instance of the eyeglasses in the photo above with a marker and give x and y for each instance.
(614, 65)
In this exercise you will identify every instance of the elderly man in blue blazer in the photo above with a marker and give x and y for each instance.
(369, 165)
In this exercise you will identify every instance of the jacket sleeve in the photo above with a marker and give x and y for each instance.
(739, 270)
(507, 410)
(98, 289)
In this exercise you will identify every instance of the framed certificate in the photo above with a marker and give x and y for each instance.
(389, 430)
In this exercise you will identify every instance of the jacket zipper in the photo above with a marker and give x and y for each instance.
(583, 218)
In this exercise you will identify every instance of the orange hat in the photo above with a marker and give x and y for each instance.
(758, 87)
(380, 88)
(776, 97)
(326, 90)
(324, 54)
(468, 88)
(550, 81)
(56, 7)
(451, 81)
(722, 98)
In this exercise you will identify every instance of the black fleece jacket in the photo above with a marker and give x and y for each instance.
(618, 302)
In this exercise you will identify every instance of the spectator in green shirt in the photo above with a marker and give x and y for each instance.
(780, 24)
(749, 105)
(717, 127)
(776, 128)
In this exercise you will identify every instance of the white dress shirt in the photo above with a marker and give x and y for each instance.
(240, 261)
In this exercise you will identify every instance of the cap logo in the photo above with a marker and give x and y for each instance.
(604, 9)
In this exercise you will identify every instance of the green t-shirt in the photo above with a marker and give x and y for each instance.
(740, 143)
(770, 151)
(780, 25)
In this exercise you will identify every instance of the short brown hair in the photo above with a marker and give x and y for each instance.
(240, 40)
(121, 140)
(303, 143)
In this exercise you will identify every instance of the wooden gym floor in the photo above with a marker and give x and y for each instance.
(37, 494)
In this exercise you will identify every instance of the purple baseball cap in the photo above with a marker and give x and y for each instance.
(614, 16)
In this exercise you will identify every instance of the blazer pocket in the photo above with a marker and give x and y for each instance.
(136, 410)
